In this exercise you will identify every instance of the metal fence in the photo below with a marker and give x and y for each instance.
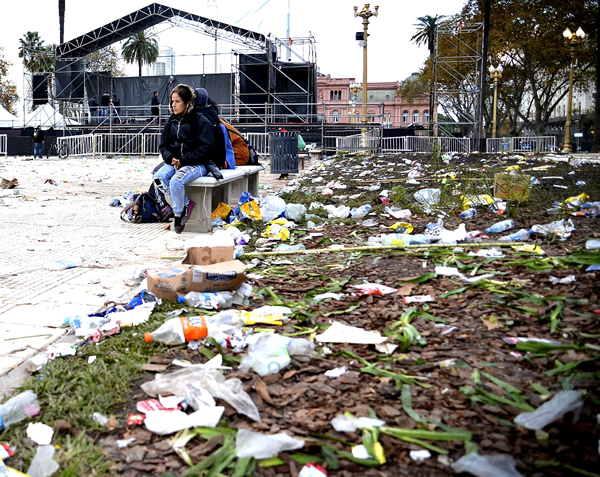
(393, 144)
(521, 144)
(3, 142)
(259, 141)
(116, 143)
(442, 144)
(78, 145)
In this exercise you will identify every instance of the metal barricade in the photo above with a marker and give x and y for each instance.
(77, 145)
(259, 141)
(3, 144)
(284, 152)
(393, 144)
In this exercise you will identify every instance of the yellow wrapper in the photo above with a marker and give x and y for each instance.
(474, 200)
(408, 228)
(276, 231)
(250, 210)
(528, 248)
(222, 211)
(575, 202)
(512, 168)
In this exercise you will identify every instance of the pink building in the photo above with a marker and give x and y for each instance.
(338, 104)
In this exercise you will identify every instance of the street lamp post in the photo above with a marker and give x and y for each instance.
(496, 74)
(354, 89)
(572, 39)
(365, 14)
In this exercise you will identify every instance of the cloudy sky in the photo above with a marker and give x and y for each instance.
(392, 56)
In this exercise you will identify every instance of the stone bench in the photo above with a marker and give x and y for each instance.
(208, 192)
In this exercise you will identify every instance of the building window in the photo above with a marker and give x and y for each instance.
(405, 116)
(331, 96)
(425, 116)
(335, 116)
(415, 117)
(387, 97)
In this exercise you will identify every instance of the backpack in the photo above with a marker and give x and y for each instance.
(229, 155)
(253, 155)
(144, 208)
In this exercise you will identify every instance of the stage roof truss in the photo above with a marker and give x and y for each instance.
(148, 17)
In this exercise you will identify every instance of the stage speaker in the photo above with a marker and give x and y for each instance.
(40, 89)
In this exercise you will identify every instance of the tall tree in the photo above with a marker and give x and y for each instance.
(61, 19)
(141, 48)
(104, 59)
(426, 35)
(37, 57)
(8, 90)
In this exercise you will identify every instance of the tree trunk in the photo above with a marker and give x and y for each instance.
(140, 66)
(61, 19)
(596, 143)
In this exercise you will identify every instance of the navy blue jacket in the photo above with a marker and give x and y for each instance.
(189, 138)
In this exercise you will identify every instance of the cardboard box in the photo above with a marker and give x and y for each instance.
(208, 255)
(512, 187)
(168, 283)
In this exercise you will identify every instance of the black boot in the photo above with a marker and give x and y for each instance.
(214, 170)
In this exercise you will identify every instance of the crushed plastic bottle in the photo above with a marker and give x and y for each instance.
(86, 322)
(469, 213)
(179, 330)
(519, 236)
(20, 407)
(209, 301)
(501, 226)
(289, 248)
(593, 244)
(404, 239)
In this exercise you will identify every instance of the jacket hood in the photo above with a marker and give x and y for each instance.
(201, 97)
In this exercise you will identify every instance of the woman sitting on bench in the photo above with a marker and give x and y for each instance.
(187, 147)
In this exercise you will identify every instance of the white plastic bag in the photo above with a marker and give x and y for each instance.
(267, 354)
(271, 207)
(497, 465)
(43, 463)
(295, 212)
(263, 446)
(168, 422)
(562, 403)
(428, 197)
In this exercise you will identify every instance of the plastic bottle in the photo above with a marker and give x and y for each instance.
(179, 330)
(469, 213)
(289, 248)
(404, 239)
(18, 408)
(593, 244)
(501, 226)
(86, 322)
(209, 301)
(519, 236)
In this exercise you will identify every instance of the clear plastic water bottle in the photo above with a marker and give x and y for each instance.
(469, 213)
(360, 212)
(86, 322)
(519, 236)
(501, 226)
(289, 248)
(20, 407)
(209, 301)
(179, 330)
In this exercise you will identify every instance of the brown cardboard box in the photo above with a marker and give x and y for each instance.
(208, 255)
(169, 282)
(512, 187)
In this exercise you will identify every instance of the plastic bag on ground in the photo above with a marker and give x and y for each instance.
(230, 390)
(340, 212)
(43, 463)
(267, 354)
(295, 212)
(562, 403)
(496, 465)
(168, 422)
(263, 446)
(271, 207)
(427, 198)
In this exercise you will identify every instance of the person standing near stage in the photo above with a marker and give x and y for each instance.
(116, 101)
(155, 105)
(93, 104)
(38, 142)
(105, 104)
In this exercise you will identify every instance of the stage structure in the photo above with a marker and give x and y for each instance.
(260, 88)
(457, 72)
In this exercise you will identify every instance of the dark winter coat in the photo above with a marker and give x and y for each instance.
(39, 137)
(105, 100)
(93, 103)
(189, 138)
(211, 114)
(155, 106)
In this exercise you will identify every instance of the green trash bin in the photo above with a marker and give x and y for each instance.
(283, 148)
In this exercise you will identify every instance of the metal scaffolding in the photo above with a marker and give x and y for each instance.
(457, 74)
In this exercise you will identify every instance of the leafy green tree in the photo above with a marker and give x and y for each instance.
(37, 57)
(8, 90)
(141, 48)
(105, 59)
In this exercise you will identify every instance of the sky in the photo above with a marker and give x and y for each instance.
(391, 55)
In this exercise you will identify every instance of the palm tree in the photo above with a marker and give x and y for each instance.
(61, 19)
(425, 35)
(36, 56)
(141, 48)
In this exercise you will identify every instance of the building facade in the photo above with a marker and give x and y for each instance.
(341, 102)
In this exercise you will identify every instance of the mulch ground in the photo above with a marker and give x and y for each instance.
(463, 346)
